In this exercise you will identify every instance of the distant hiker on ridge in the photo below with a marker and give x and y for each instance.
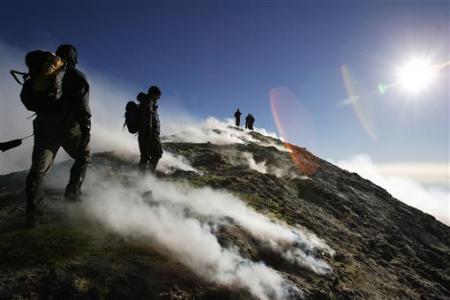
(237, 116)
(143, 119)
(249, 120)
(63, 119)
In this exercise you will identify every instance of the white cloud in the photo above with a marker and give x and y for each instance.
(427, 173)
(432, 200)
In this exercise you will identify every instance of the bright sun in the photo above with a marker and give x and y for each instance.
(416, 75)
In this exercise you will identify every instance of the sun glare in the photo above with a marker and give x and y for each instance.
(416, 75)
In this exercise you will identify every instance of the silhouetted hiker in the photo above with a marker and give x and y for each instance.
(237, 117)
(149, 129)
(251, 122)
(63, 119)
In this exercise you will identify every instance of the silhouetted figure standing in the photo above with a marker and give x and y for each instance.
(237, 117)
(251, 122)
(149, 129)
(64, 123)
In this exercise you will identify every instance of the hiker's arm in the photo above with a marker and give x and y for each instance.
(155, 123)
(84, 114)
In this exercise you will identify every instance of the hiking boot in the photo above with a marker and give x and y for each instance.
(143, 167)
(31, 219)
(72, 195)
(32, 214)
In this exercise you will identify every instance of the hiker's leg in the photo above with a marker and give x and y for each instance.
(81, 154)
(155, 153)
(44, 152)
(144, 150)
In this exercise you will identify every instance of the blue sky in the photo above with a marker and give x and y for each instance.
(212, 57)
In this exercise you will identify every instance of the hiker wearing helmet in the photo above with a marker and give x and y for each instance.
(65, 125)
(149, 129)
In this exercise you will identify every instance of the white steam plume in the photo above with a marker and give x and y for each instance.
(170, 162)
(265, 168)
(182, 220)
(252, 164)
(210, 130)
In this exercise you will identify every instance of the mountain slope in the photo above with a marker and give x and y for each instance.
(351, 238)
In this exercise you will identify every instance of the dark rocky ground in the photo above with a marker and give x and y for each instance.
(384, 248)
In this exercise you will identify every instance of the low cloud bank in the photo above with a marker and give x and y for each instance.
(183, 220)
(432, 200)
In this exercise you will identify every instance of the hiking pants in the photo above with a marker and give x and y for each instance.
(151, 150)
(49, 136)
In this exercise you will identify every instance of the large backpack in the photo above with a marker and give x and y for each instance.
(132, 117)
(42, 88)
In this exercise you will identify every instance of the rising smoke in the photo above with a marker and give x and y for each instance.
(182, 220)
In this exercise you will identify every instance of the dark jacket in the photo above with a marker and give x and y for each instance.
(75, 96)
(149, 119)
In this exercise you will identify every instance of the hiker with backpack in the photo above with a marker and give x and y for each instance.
(143, 119)
(59, 95)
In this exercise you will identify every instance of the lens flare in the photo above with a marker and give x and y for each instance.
(293, 121)
(382, 88)
(361, 107)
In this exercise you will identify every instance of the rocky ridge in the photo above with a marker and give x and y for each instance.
(382, 248)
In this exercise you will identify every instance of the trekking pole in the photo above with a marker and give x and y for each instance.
(15, 74)
(13, 143)
(27, 137)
